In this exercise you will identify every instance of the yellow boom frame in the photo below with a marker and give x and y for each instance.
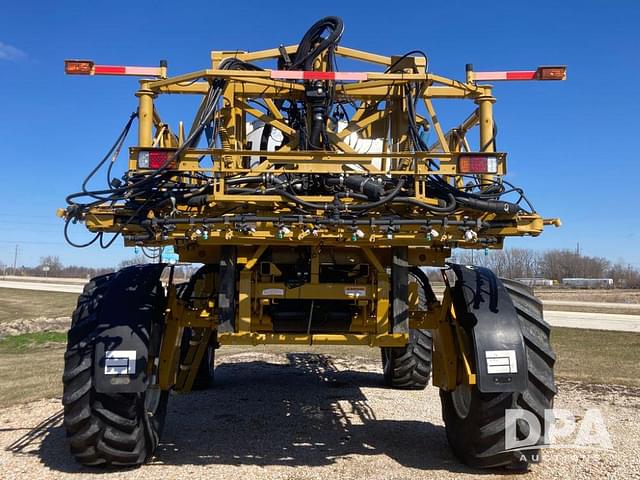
(372, 325)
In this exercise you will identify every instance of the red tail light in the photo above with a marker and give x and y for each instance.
(155, 159)
(78, 67)
(551, 73)
(477, 164)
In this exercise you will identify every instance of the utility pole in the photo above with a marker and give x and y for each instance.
(15, 259)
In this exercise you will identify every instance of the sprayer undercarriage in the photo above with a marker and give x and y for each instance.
(312, 198)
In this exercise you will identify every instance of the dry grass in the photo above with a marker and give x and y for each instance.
(597, 356)
(593, 309)
(16, 304)
(31, 365)
(588, 295)
(30, 375)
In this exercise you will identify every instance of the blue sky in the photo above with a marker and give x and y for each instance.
(572, 145)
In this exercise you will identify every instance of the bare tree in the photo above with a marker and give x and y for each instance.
(559, 264)
(53, 263)
(624, 276)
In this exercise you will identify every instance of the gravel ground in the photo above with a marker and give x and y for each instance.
(309, 416)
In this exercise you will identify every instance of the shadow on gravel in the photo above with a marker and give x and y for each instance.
(302, 413)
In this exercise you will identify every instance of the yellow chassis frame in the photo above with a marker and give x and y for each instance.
(451, 365)
(245, 86)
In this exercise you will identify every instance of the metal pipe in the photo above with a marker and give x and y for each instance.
(487, 140)
(145, 115)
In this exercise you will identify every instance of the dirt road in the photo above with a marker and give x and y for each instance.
(596, 321)
(42, 286)
(627, 321)
(307, 416)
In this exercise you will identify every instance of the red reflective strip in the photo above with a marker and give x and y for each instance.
(287, 74)
(351, 76)
(311, 75)
(148, 71)
(490, 75)
(523, 75)
(513, 75)
(108, 70)
(124, 70)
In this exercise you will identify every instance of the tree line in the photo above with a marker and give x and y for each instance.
(550, 264)
(52, 266)
(509, 263)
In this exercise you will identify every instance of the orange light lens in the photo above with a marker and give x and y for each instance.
(551, 73)
(78, 67)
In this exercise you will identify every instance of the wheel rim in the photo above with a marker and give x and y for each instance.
(461, 397)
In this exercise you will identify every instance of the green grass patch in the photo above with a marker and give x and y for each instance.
(31, 364)
(597, 356)
(27, 341)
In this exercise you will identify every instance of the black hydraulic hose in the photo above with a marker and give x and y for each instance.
(312, 44)
(317, 128)
(156, 178)
(445, 209)
(117, 145)
(303, 203)
(496, 206)
(356, 207)
(244, 180)
(240, 190)
(383, 200)
(300, 219)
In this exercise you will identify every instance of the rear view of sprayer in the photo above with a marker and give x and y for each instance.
(312, 197)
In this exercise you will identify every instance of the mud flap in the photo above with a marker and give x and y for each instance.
(484, 308)
(123, 332)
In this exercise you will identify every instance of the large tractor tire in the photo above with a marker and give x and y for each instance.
(110, 429)
(409, 367)
(475, 421)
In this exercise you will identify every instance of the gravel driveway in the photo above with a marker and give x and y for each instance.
(308, 416)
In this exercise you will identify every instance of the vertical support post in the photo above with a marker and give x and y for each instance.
(170, 344)
(445, 359)
(145, 115)
(382, 303)
(244, 302)
(487, 140)
(315, 265)
(227, 289)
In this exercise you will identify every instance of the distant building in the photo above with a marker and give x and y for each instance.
(588, 282)
(536, 282)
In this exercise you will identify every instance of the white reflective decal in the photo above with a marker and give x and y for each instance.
(355, 291)
(272, 291)
(120, 362)
(501, 361)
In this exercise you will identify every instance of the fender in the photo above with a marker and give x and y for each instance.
(125, 318)
(485, 310)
